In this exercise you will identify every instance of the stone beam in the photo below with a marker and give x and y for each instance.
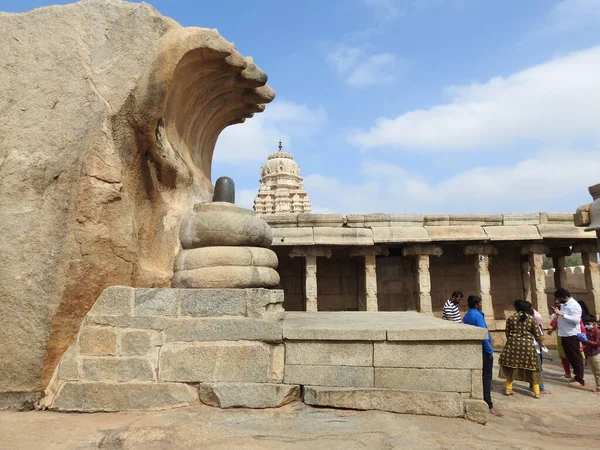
(535, 248)
(324, 252)
(586, 247)
(556, 252)
(371, 250)
(480, 249)
(422, 249)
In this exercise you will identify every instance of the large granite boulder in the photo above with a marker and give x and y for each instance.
(109, 113)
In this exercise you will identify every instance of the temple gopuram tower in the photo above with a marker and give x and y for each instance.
(281, 189)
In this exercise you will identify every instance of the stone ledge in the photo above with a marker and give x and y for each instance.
(331, 326)
(343, 236)
(400, 234)
(456, 233)
(247, 395)
(102, 396)
(513, 233)
(320, 220)
(375, 326)
(405, 402)
(293, 236)
(553, 231)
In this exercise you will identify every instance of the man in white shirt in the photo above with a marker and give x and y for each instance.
(569, 325)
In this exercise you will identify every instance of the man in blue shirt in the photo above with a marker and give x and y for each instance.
(476, 318)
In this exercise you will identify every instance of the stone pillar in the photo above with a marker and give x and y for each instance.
(310, 283)
(423, 278)
(424, 284)
(592, 279)
(558, 261)
(539, 299)
(369, 300)
(483, 280)
(526, 278)
(371, 282)
(310, 255)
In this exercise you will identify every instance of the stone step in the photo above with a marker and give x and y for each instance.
(248, 395)
(110, 396)
(443, 404)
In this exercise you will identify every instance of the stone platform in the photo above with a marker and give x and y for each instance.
(140, 349)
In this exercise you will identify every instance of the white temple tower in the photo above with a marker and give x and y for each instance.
(281, 189)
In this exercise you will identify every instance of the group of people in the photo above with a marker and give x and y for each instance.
(521, 359)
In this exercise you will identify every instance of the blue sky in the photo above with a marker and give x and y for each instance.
(416, 106)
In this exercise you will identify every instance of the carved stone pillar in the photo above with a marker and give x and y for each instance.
(421, 253)
(310, 255)
(539, 299)
(310, 283)
(371, 282)
(592, 279)
(526, 278)
(558, 261)
(424, 284)
(368, 300)
(483, 280)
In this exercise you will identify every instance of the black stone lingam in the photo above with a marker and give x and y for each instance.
(224, 190)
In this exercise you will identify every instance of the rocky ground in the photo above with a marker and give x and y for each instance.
(568, 418)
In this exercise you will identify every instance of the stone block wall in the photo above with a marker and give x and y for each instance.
(142, 349)
(150, 348)
(400, 362)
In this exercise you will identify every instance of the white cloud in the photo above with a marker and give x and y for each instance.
(571, 14)
(559, 99)
(549, 181)
(384, 10)
(377, 69)
(359, 69)
(256, 138)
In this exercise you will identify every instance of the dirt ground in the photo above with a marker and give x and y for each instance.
(566, 419)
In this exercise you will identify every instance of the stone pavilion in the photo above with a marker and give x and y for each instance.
(412, 262)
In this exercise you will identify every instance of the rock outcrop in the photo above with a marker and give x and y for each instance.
(109, 113)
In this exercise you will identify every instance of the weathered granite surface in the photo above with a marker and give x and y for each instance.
(107, 135)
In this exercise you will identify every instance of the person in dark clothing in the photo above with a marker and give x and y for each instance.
(476, 318)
